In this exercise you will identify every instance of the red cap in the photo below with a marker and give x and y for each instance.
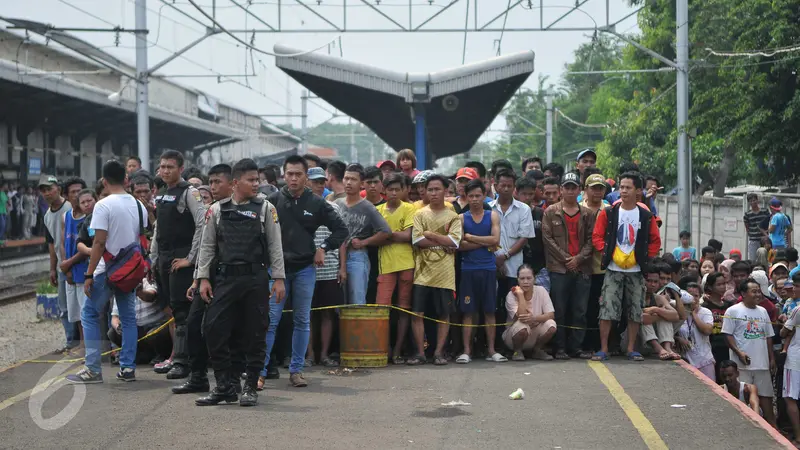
(388, 161)
(468, 173)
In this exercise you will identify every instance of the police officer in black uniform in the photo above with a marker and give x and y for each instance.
(180, 214)
(221, 182)
(243, 235)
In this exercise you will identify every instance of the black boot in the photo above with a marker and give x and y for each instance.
(236, 382)
(177, 372)
(272, 372)
(249, 396)
(222, 392)
(197, 382)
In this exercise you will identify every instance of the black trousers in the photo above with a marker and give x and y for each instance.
(197, 347)
(239, 302)
(159, 344)
(172, 287)
(591, 341)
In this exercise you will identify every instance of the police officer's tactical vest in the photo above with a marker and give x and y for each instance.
(240, 236)
(175, 229)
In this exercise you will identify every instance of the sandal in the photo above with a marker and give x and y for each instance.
(518, 356)
(416, 360)
(497, 357)
(463, 359)
(439, 360)
(260, 384)
(542, 355)
(635, 356)
(561, 355)
(601, 356)
(585, 355)
(398, 360)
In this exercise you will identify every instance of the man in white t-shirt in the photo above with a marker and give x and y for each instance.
(747, 329)
(791, 373)
(116, 223)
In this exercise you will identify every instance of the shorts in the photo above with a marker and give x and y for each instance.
(442, 300)
(761, 378)
(534, 333)
(478, 291)
(404, 280)
(75, 301)
(791, 383)
(622, 288)
(327, 293)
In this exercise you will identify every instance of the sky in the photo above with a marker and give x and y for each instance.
(267, 90)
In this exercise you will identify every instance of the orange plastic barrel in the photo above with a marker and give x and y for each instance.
(364, 336)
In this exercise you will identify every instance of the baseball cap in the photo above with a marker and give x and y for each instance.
(388, 161)
(775, 204)
(760, 277)
(316, 173)
(422, 177)
(585, 152)
(595, 180)
(468, 173)
(47, 180)
(571, 178)
(735, 251)
(775, 266)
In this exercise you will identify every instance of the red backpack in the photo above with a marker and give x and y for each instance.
(127, 270)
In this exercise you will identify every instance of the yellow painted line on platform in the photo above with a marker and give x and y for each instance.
(39, 388)
(649, 434)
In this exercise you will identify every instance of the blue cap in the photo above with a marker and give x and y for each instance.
(316, 173)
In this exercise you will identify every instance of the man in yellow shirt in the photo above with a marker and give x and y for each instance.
(396, 256)
(419, 184)
(436, 233)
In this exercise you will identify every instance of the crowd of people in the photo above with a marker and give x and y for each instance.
(22, 210)
(529, 263)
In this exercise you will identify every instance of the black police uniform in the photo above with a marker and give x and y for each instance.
(241, 296)
(174, 238)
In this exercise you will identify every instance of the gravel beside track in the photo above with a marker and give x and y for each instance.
(22, 336)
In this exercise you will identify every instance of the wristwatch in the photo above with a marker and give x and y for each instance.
(324, 246)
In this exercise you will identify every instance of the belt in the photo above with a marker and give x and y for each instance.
(234, 270)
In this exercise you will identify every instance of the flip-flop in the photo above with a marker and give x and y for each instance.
(635, 356)
(497, 357)
(601, 356)
(463, 359)
(439, 360)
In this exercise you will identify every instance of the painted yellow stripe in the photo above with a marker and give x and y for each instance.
(649, 434)
(24, 395)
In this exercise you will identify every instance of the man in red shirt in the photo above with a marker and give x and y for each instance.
(567, 234)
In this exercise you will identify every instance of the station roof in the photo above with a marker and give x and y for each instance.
(69, 106)
(460, 103)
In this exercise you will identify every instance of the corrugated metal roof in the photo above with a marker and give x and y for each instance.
(399, 84)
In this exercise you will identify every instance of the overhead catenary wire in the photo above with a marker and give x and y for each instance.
(580, 124)
(252, 47)
(766, 53)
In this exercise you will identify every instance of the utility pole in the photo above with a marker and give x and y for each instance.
(353, 155)
(142, 74)
(304, 122)
(549, 128)
(684, 150)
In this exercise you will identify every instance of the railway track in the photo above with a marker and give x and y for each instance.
(19, 289)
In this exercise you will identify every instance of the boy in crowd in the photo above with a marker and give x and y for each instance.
(658, 317)
(791, 371)
(685, 251)
(617, 233)
(594, 198)
(74, 263)
(51, 192)
(567, 229)
(745, 392)
(752, 220)
(396, 256)
(436, 232)
(780, 227)
(366, 228)
(477, 291)
(551, 191)
(747, 328)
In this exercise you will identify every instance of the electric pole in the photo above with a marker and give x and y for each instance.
(684, 151)
(142, 74)
(549, 127)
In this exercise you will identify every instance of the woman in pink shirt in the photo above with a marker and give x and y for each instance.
(532, 312)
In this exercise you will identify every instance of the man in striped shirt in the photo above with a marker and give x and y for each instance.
(149, 317)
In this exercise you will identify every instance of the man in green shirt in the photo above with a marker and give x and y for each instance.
(3, 210)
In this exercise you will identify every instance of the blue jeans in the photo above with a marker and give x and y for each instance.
(90, 319)
(300, 289)
(357, 276)
(543, 279)
(3, 225)
(69, 327)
